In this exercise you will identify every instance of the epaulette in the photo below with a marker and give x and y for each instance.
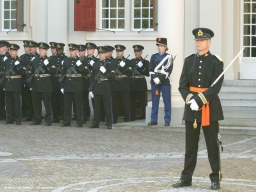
(218, 57)
(189, 55)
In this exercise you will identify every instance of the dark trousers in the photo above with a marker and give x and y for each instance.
(57, 104)
(75, 97)
(2, 103)
(13, 107)
(86, 106)
(98, 101)
(192, 139)
(124, 98)
(134, 96)
(37, 98)
(27, 107)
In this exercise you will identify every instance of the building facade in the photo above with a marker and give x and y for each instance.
(129, 22)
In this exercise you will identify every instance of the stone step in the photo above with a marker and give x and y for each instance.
(237, 96)
(239, 112)
(240, 83)
(238, 103)
(226, 89)
(239, 122)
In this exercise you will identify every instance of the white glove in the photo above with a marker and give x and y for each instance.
(193, 105)
(32, 58)
(92, 62)
(91, 94)
(78, 63)
(46, 62)
(122, 63)
(102, 69)
(62, 91)
(140, 64)
(156, 80)
(62, 62)
(17, 63)
(5, 58)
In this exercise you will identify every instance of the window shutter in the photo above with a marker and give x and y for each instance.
(85, 15)
(20, 15)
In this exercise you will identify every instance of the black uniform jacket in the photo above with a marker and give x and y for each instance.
(11, 83)
(167, 69)
(3, 58)
(40, 81)
(27, 63)
(121, 84)
(70, 68)
(88, 67)
(56, 69)
(202, 71)
(139, 84)
(102, 85)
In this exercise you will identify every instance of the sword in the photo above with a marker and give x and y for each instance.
(227, 67)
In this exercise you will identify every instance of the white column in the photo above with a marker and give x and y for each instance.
(171, 26)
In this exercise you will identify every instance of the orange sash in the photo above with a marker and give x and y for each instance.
(205, 119)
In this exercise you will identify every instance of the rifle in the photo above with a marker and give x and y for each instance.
(69, 71)
(117, 71)
(97, 77)
(7, 73)
(40, 68)
(135, 71)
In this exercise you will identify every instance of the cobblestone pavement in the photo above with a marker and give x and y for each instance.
(39, 158)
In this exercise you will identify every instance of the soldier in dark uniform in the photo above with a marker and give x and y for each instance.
(56, 69)
(25, 58)
(109, 53)
(102, 74)
(53, 46)
(4, 55)
(84, 60)
(13, 85)
(202, 108)
(28, 59)
(160, 81)
(138, 83)
(73, 86)
(41, 85)
(121, 84)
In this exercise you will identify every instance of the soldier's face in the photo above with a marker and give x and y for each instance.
(60, 51)
(4, 49)
(90, 51)
(203, 45)
(137, 54)
(73, 53)
(82, 53)
(26, 49)
(54, 51)
(13, 53)
(42, 52)
(119, 54)
(32, 49)
(161, 48)
(102, 56)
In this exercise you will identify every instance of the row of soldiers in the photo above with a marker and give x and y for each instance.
(59, 81)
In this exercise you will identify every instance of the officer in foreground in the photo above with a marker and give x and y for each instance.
(202, 106)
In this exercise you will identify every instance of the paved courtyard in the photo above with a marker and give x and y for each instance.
(130, 157)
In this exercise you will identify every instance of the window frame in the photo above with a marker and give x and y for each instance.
(149, 18)
(109, 18)
(3, 20)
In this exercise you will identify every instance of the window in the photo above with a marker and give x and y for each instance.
(249, 28)
(142, 15)
(12, 15)
(112, 15)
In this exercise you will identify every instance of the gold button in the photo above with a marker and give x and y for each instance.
(199, 73)
(199, 85)
(200, 67)
(201, 61)
(198, 79)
